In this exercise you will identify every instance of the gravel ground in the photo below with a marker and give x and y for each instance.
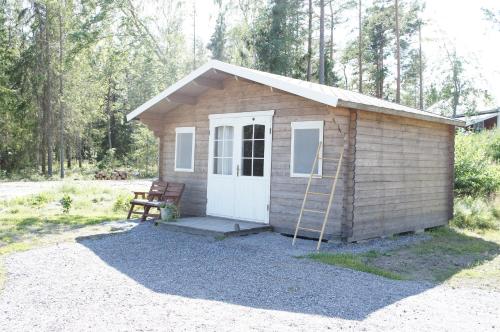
(152, 279)
(10, 190)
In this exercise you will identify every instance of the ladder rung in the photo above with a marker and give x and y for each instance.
(315, 193)
(309, 229)
(323, 176)
(315, 211)
(323, 158)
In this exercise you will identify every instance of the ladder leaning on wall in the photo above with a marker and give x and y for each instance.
(312, 177)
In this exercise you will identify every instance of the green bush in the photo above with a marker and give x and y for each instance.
(66, 203)
(476, 172)
(122, 203)
(494, 144)
(477, 213)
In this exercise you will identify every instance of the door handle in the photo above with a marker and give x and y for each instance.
(237, 170)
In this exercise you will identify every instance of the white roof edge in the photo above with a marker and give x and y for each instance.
(240, 72)
(390, 111)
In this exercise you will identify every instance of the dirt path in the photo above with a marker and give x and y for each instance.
(9, 190)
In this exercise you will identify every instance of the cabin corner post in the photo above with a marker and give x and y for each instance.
(451, 170)
(349, 178)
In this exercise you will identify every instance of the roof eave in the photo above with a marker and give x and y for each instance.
(390, 111)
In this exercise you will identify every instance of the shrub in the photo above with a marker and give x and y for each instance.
(476, 173)
(476, 213)
(494, 144)
(122, 203)
(66, 203)
(39, 199)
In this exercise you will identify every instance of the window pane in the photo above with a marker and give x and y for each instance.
(218, 148)
(247, 148)
(258, 149)
(258, 167)
(227, 166)
(228, 148)
(228, 133)
(184, 150)
(259, 131)
(217, 165)
(305, 146)
(248, 132)
(219, 131)
(246, 168)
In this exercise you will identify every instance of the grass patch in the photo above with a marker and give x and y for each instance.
(355, 262)
(450, 255)
(24, 219)
(477, 213)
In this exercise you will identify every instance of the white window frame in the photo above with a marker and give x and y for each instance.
(185, 130)
(306, 125)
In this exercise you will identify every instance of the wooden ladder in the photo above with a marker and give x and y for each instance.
(308, 192)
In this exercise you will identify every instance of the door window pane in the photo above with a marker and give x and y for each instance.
(259, 131)
(248, 132)
(246, 168)
(258, 167)
(223, 150)
(258, 148)
(219, 132)
(247, 148)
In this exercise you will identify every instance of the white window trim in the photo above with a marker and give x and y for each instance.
(306, 125)
(185, 130)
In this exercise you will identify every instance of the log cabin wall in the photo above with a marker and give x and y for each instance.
(403, 175)
(397, 174)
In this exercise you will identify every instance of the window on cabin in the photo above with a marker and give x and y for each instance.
(184, 149)
(306, 136)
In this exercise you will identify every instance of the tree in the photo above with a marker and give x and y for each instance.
(492, 16)
(277, 38)
(217, 43)
(321, 73)
(398, 55)
(360, 49)
(309, 40)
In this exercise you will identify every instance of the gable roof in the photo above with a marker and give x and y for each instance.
(210, 74)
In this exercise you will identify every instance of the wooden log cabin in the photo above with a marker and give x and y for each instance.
(244, 141)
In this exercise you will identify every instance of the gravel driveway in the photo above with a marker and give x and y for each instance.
(152, 279)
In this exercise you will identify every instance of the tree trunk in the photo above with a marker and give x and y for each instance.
(398, 56)
(48, 96)
(68, 155)
(420, 68)
(194, 34)
(360, 50)
(309, 42)
(322, 42)
(61, 93)
(108, 112)
(331, 34)
(79, 148)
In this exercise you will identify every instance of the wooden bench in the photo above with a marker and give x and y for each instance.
(159, 193)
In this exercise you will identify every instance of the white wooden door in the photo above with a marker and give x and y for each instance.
(239, 165)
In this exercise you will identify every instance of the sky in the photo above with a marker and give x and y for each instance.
(454, 22)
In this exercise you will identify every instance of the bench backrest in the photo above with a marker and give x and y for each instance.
(174, 192)
(158, 189)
